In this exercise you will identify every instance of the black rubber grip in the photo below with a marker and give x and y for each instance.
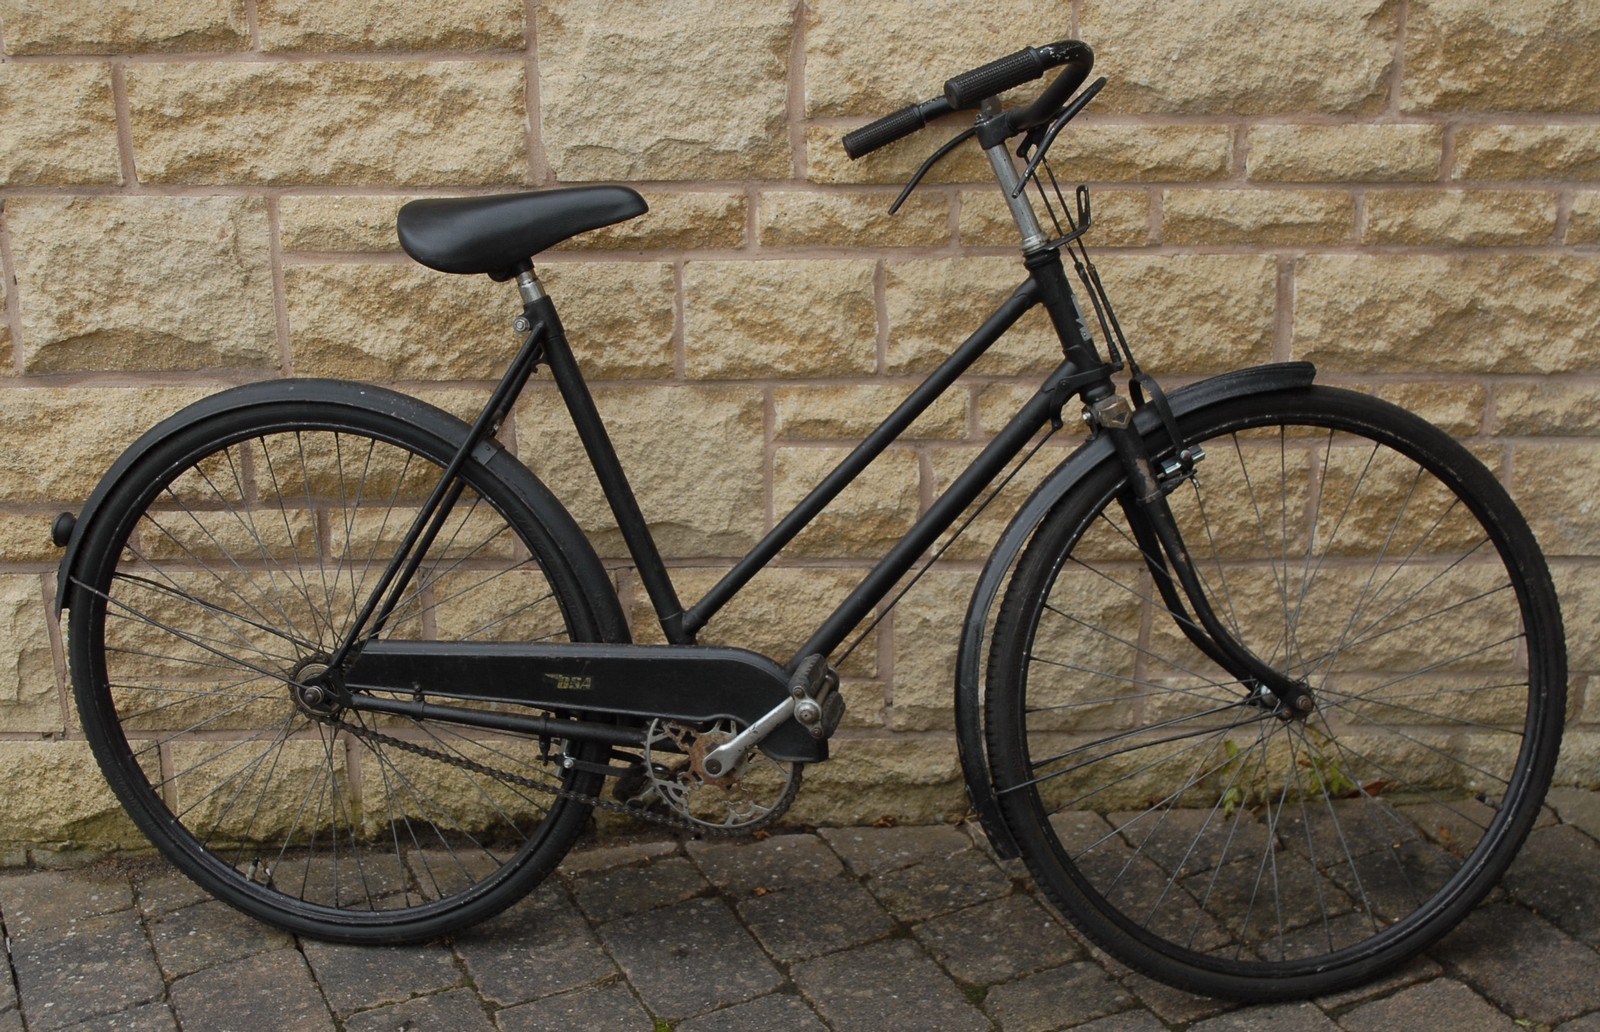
(890, 128)
(969, 89)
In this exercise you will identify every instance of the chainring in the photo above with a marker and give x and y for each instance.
(751, 796)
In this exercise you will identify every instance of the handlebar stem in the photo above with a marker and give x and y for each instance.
(1033, 236)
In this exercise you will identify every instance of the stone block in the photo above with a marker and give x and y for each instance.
(1461, 218)
(51, 28)
(322, 223)
(867, 519)
(30, 699)
(850, 72)
(1583, 224)
(1549, 407)
(61, 126)
(685, 220)
(1344, 153)
(329, 122)
(320, 26)
(916, 780)
(927, 629)
(632, 90)
(978, 539)
(59, 440)
(25, 538)
(694, 455)
(92, 295)
(1183, 58)
(1121, 218)
(1192, 314)
(1512, 152)
(1559, 474)
(849, 412)
(774, 614)
(1144, 153)
(1436, 313)
(389, 322)
(826, 161)
(1272, 217)
(805, 219)
(761, 319)
(934, 303)
(1457, 408)
(67, 804)
(1534, 55)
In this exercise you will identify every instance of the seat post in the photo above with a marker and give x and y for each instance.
(528, 285)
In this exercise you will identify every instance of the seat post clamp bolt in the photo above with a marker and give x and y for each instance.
(522, 325)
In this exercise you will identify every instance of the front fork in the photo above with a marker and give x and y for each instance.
(1156, 532)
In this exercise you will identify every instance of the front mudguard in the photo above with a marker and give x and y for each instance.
(971, 741)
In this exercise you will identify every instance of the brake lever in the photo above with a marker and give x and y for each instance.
(1048, 137)
(934, 159)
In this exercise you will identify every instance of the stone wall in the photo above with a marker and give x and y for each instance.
(199, 193)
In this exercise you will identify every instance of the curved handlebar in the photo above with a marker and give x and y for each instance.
(969, 89)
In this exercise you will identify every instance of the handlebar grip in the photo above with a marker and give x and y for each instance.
(890, 128)
(970, 88)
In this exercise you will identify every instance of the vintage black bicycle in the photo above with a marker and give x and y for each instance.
(1264, 682)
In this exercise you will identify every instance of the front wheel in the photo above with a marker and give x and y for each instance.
(1176, 814)
(221, 573)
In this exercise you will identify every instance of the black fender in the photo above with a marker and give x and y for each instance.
(970, 740)
(564, 531)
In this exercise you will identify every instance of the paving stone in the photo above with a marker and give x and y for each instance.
(357, 977)
(603, 858)
(1172, 1005)
(1577, 806)
(939, 886)
(689, 958)
(997, 941)
(273, 990)
(208, 934)
(48, 902)
(1587, 1023)
(1557, 873)
(1441, 1003)
(611, 1007)
(90, 966)
(886, 985)
(1278, 1017)
(1523, 964)
(455, 1011)
(779, 862)
(539, 947)
(11, 1021)
(631, 890)
(1058, 998)
(1417, 969)
(1127, 1021)
(775, 1013)
(815, 919)
(877, 850)
(164, 890)
(149, 1017)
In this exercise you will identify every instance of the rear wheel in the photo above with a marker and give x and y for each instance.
(227, 566)
(1174, 813)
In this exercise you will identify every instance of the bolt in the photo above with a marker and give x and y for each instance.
(522, 325)
(713, 767)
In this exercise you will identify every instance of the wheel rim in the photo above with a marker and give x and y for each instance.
(208, 625)
(1216, 833)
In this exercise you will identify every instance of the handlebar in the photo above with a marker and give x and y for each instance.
(971, 88)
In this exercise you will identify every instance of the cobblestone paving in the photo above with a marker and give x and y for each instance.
(875, 929)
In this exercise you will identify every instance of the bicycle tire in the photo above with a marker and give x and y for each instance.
(1170, 813)
(228, 559)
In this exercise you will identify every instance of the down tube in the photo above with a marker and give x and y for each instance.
(1042, 407)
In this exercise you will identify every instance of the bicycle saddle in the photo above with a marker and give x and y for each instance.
(496, 234)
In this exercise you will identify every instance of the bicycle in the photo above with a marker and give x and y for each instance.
(1264, 683)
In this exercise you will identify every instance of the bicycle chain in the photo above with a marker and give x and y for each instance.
(637, 813)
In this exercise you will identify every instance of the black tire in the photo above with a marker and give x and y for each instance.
(222, 564)
(1202, 838)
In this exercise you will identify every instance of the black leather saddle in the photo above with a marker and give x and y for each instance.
(496, 235)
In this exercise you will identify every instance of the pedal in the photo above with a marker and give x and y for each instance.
(818, 705)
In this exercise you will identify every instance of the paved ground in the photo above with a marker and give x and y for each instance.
(860, 928)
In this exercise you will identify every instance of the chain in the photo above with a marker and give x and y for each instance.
(637, 813)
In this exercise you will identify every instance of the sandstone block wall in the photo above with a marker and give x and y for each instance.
(199, 193)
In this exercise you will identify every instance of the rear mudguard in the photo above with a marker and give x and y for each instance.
(577, 551)
(970, 739)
